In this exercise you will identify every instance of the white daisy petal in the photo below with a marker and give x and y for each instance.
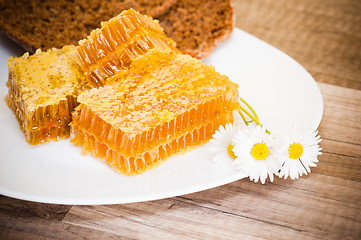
(268, 162)
(220, 142)
(302, 168)
(271, 177)
(298, 159)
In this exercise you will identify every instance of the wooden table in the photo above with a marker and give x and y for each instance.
(325, 37)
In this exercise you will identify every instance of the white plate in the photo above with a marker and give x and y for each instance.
(278, 88)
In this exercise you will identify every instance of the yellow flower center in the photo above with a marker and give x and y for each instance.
(295, 151)
(260, 151)
(230, 151)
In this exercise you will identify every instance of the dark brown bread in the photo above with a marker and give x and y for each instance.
(197, 26)
(45, 24)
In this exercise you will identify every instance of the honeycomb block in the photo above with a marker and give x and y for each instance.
(117, 43)
(165, 103)
(42, 92)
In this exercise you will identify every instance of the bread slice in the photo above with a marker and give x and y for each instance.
(117, 43)
(198, 26)
(46, 24)
(165, 103)
(42, 92)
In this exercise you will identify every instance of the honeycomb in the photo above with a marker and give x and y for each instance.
(117, 43)
(42, 93)
(166, 102)
(136, 164)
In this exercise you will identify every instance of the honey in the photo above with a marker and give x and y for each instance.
(166, 102)
(42, 93)
(117, 43)
(136, 164)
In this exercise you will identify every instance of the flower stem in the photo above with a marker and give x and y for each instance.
(242, 109)
(254, 117)
(242, 116)
(250, 108)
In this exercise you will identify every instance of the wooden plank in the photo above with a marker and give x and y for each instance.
(318, 207)
(20, 208)
(340, 130)
(37, 228)
(172, 219)
(323, 36)
(339, 166)
(342, 114)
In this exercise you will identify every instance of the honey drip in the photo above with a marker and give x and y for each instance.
(45, 123)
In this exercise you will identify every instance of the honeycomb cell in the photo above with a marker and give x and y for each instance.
(117, 43)
(132, 165)
(42, 93)
(164, 103)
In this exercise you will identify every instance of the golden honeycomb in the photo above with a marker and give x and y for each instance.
(42, 93)
(117, 43)
(165, 102)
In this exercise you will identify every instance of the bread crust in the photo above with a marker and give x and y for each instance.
(198, 26)
(46, 24)
(18, 39)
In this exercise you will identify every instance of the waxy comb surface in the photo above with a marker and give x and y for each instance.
(42, 93)
(165, 102)
(117, 43)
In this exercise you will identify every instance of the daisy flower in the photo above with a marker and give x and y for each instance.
(256, 153)
(299, 147)
(221, 144)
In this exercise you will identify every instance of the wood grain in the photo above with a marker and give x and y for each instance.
(325, 37)
(340, 130)
(241, 209)
(20, 208)
(36, 228)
